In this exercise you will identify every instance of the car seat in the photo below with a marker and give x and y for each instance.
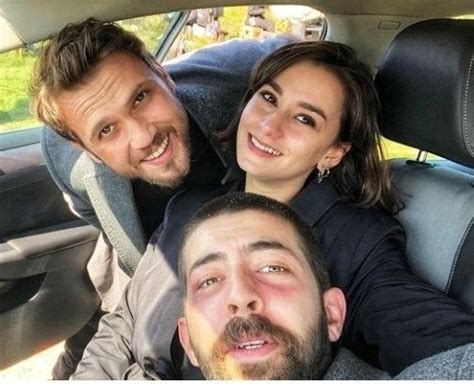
(426, 88)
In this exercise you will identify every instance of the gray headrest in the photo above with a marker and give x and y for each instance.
(426, 87)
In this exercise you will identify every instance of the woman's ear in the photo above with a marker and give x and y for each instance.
(185, 341)
(335, 307)
(334, 155)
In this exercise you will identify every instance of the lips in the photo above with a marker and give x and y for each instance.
(249, 342)
(254, 349)
(264, 147)
(159, 150)
(252, 345)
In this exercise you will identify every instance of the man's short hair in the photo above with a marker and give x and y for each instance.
(238, 202)
(67, 59)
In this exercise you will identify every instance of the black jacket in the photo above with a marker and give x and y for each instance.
(393, 319)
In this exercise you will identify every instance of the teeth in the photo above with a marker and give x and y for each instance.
(158, 151)
(251, 345)
(264, 148)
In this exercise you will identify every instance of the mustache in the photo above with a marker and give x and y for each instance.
(158, 138)
(253, 326)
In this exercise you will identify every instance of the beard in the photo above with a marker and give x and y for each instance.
(173, 173)
(300, 358)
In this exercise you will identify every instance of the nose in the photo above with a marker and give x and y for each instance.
(271, 124)
(140, 134)
(244, 296)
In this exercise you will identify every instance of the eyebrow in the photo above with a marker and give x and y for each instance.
(314, 109)
(98, 126)
(276, 86)
(209, 258)
(305, 105)
(261, 245)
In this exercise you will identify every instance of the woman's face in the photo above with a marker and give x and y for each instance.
(291, 125)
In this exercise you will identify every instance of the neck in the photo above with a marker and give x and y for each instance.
(278, 190)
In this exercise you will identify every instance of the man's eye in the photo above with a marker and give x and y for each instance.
(305, 120)
(208, 282)
(272, 269)
(106, 131)
(269, 97)
(140, 97)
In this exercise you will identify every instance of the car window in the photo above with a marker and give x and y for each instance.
(208, 26)
(16, 68)
(150, 29)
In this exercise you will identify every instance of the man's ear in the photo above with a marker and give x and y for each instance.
(185, 340)
(334, 155)
(78, 145)
(335, 306)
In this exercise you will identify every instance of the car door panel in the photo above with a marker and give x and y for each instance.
(45, 292)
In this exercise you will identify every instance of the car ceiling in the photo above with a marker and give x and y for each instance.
(28, 21)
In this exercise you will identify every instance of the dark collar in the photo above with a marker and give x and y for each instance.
(311, 203)
(200, 141)
(314, 200)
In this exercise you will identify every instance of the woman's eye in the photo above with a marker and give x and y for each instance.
(269, 97)
(305, 120)
(272, 269)
(104, 132)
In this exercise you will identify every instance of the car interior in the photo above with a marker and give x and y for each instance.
(422, 57)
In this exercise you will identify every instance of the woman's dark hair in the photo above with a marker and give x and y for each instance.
(361, 177)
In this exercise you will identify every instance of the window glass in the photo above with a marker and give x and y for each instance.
(149, 29)
(16, 68)
(397, 150)
(208, 26)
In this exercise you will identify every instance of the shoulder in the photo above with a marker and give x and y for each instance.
(365, 218)
(179, 211)
(234, 53)
(321, 206)
(341, 224)
(188, 201)
(357, 232)
(347, 366)
(457, 363)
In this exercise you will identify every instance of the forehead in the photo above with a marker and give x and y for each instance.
(120, 62)
(230, 232)
(310, 77)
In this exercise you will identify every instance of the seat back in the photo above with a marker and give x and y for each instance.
(426, 87)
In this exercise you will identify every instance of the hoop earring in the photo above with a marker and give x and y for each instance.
(323, 174)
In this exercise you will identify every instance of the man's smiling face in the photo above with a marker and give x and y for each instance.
(252, 308)
(125, 115)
